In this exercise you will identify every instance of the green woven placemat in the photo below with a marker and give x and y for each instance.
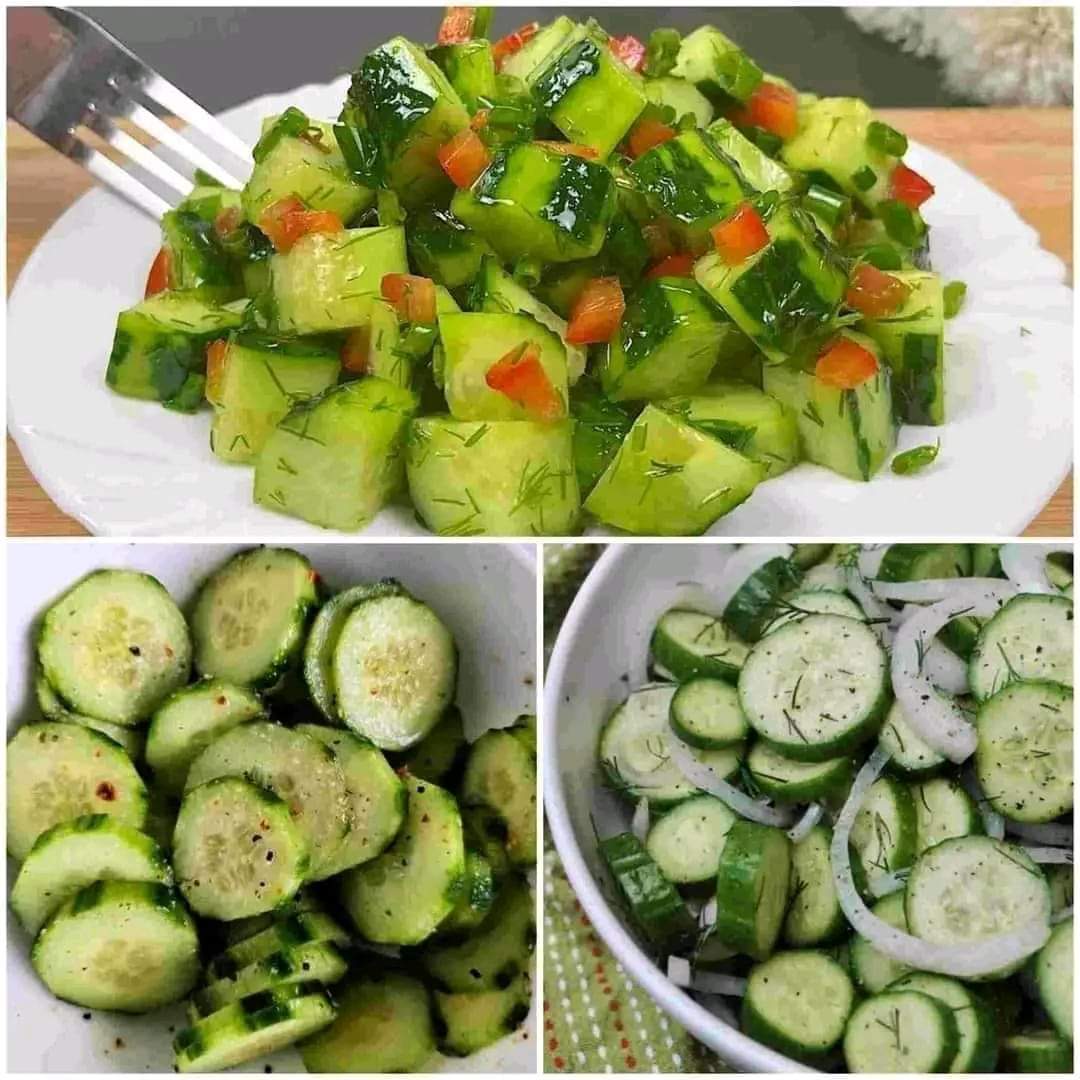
(596, 1019)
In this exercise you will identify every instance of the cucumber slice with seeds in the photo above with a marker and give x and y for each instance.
(902, 1031)
(943, 809)
(706, 713)
(874, 970)
(911, 756)
(237, 850)
(884, 832)
(814, 915)
(254, 1027)
(476, 899)
(813, 602)
(687, 841)
(377, 797)
(752, 888)
(298, 769)
(690, 643)
(189, 720)
(74, 854)
(303, 928)
(56, 772)
(394, 670)
(466, 1023)
(250, 616)
(1036, 1052)
(756, 602)
(501, 773)
(114, 645)
(1054, 977)
(126, 946)
(132, 740)
(789, 781)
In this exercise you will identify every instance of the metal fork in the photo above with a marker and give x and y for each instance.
(66, 73)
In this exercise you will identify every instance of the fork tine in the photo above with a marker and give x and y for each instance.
(179, 104)
(121, 181)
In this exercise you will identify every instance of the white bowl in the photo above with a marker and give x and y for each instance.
(600, 656)
(486, 593)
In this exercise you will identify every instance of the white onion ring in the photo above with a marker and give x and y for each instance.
(873, 608)
(979, 957)
(701, 776)
(707, 915)
(886, 884)
(931, 590)
(747, 560)
(1051, 833)
(715, 982)
(934, 717)
(993, 822)
(639, 823)
(801, 829)
(663, 673)
(1025, 564)
(946, 670)
(679, 971)
(1048, 855)
(869, 561)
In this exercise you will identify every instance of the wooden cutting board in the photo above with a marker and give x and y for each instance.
(1025, 154)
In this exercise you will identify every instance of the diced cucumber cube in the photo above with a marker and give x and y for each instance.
(444, 249)
(912, 340)
(413, 110)
(716, 66)
(493, 478)
(535, 202)
(668, 342)
(851, 432)
(309, 167)
(785, 293)
(260, 381)
(328, 280)
(197, 262)
(159, 349)
(336, 460)
(763, 172)
(669, 479)
(473, 342)
(599, 428)
(682, 97)
(534, 54)
(470, 68)
(209, 200)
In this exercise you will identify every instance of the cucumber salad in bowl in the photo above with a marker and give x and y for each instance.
(851, 778)
(557, 280)
(270, 810)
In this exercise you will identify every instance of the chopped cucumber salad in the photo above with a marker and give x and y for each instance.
(548, 281)
(271, 808)
(852, 786)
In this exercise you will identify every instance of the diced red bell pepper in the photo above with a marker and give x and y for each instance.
(908, 187)
(356, 350)
(513, 42)
(413, 297)
(227, 221)
(217, 356)
(739, 236)
(772, 107)
(629, 50)
(457, 26)
(288, 220)
(679, 265)
(464, 158)
(158, 279)
(575, 149)
(647, 133)
(845, 364)
(597, 312)
(873, 292)
(522, 378)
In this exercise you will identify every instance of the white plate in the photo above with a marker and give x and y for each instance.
(495, 629)
(126, 467)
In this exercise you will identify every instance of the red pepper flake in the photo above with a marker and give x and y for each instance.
(631, 1061)
(106, 791)
(559, 1063)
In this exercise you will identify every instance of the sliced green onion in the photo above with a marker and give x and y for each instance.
(527, 272)
(481, 25)
(864, 179)
(831, 206)
(915, 460)
(886, 139)
(901, 222)
(661, 52)
(954, 294)
(291, 122)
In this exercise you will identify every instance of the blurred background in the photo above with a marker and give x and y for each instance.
(894, 57)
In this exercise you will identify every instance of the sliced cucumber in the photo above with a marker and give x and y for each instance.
(687, 841)
(485, 832)
(816, 688)
(402, 896)
(475, 900)
(289, 932)
(874, 970)
(394, 670)
(466, 1023)
(251, 614)
(501, 774)
(756, 602)
(911, 756)
(973, 887)
(315, 962)
(790, 781)
(975, 1030)
(496, 954)
(690, 643)
(189, 720)
(1036, 1052)
(237, 850)
(323, 639)
(798, 1003)
(752, 888)
(241, 929)
(813, 602)
(1031, 638)
(1024, 754)
(377, 797)
(706, 713)
(885, 829)
(1054, 978)
(254, 1027)
(1060, 879)
(298, 769)
(74, 854)
(132, 740)
(126, 946)
(114, 645)
(441, 752)
(814, 915)
(56, 772)
(383, 1025)
(902, 1031)
(943, 809)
